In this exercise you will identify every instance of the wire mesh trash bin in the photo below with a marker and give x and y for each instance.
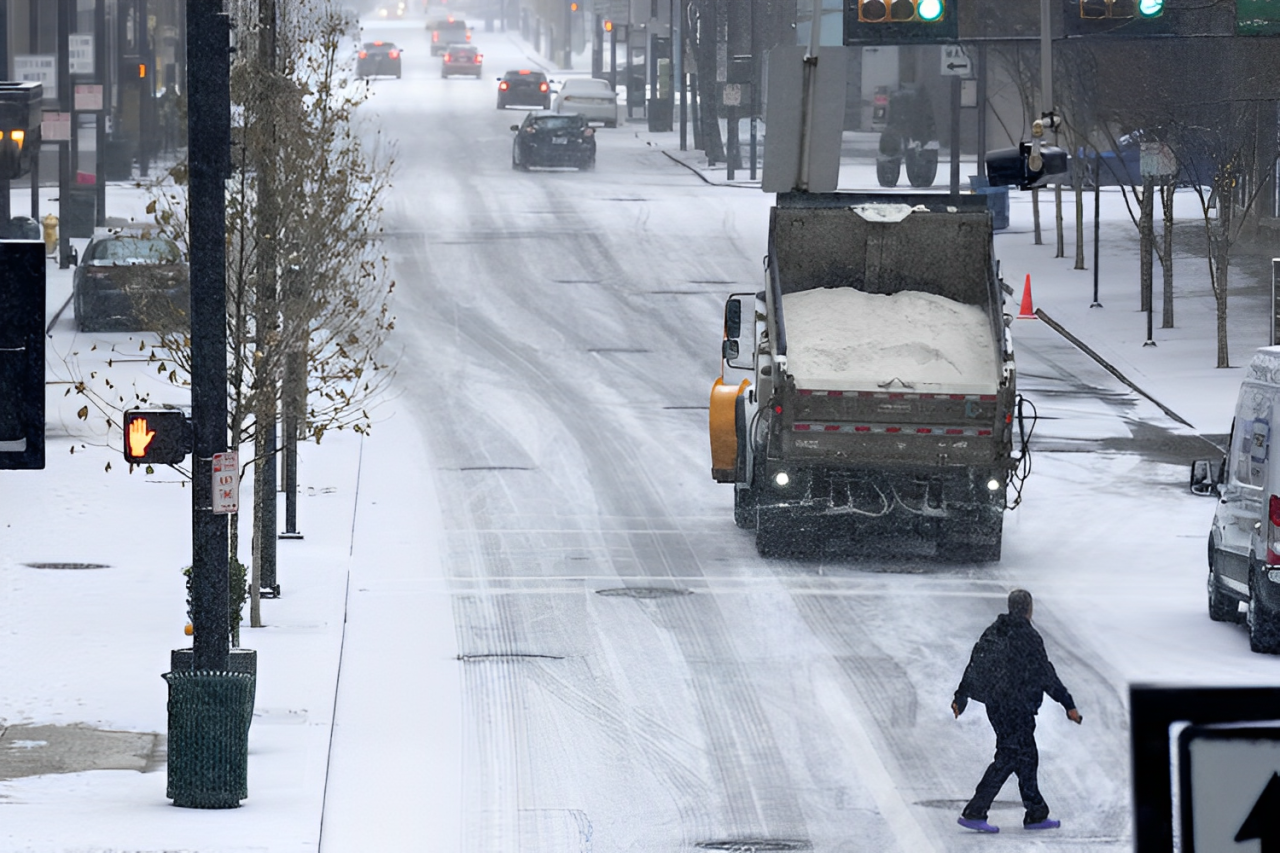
(209, 717)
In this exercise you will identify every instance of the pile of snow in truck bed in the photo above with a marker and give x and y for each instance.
(843, 339)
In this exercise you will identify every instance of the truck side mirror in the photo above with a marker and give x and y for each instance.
(733, 319)
(1204, 478)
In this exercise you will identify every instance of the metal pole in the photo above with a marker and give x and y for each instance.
(266, 377)
(209, 135)
(1097, 225)
(810, 95)
(1275, 307)
(1046, 56)
(65, 10)
(100, 121)
(144, 92)
(613, 56)
(33, 43)
(955, 136)
(677, 60)
(4, 67)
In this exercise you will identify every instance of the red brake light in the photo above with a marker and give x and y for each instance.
(435, 35)
(364, 54)
(1273, 510)
(468, 35)
(502, 87)
(478, 58)
(394, 54)
(377, 44)
(542, 87)
(524, 71)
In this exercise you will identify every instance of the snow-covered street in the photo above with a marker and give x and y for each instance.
(522, 618)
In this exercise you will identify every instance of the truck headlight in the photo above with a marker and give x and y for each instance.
(993, 485)
(782, 478)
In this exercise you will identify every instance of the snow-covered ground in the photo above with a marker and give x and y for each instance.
(365, 734)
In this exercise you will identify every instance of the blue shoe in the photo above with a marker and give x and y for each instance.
(1047, 823)
(980, 824)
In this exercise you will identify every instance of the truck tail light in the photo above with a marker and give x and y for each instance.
(478, 58)
(1273, 510)
(364, 54)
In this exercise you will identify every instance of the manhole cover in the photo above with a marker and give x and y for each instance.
(645, 592)
(66, 565)
(755, 845)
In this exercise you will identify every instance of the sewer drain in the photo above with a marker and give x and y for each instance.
(755, 845)
(66, 565)
(645, 592)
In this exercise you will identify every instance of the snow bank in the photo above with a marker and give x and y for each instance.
(843, 339)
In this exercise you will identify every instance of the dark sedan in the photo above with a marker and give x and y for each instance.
(524, 88)
(131, 282)
(378, 59)
(551, 139)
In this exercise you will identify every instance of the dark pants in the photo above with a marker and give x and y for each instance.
(1015, 753)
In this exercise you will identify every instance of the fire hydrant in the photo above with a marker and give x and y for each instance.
(50, 223)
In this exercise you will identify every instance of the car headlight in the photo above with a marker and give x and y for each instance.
(782, 478)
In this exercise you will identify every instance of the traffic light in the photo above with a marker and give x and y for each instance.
(899, 21)
(20, 114)
(1121, 9)
(22, 295)
(156, 438)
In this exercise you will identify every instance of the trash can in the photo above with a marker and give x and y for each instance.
(238, 660)
(997, 200)
(209, 717)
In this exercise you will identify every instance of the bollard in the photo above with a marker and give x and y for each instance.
(50, 234)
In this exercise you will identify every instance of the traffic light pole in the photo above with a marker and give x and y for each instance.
(209, 146)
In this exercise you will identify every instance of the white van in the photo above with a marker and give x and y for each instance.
(1244, 543)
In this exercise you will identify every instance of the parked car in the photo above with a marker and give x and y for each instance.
(1244, 538)
(461, 59)
(549, 139)
(131, 281)
(588, 97)
(524, 88)
(446, 32)
(378, 59)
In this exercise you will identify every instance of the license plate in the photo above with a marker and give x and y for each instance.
(560, 140)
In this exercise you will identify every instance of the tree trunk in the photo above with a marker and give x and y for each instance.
(1035, 214)
(1060, 250)
(1079, 188)
(1166, 256)
(1145, 241)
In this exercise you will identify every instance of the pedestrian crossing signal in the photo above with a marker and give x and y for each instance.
(156, 438)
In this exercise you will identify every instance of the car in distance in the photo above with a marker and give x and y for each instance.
(588, 97)
(447, 32)
(378, 59)
(545, 139)
(524, 88)
(131, 281)
(461, 59)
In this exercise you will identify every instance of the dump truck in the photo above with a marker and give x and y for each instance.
(868, 391)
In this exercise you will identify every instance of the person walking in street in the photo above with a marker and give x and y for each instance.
(1009, 672)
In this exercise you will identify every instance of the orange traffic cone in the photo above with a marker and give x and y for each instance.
(1027, 312)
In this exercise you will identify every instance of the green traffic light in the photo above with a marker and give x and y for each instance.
(932, 10)
(1150, 8)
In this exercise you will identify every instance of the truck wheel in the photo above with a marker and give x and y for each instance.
(972, 541)
(1222, 607)
(745, 504)
(1264, 634)
(922, 167)
(887, 171)
(774, 535)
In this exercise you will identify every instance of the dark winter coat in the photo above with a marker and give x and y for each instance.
(1009, 670)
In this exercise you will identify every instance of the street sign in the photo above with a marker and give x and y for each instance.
(88, 97)
(55, 127)
(80, 48)
(38, 68)
(1230, 789)
(955, 62)
(226, 482)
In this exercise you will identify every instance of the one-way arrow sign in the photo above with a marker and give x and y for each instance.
(1263, 822)
(955, 62)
